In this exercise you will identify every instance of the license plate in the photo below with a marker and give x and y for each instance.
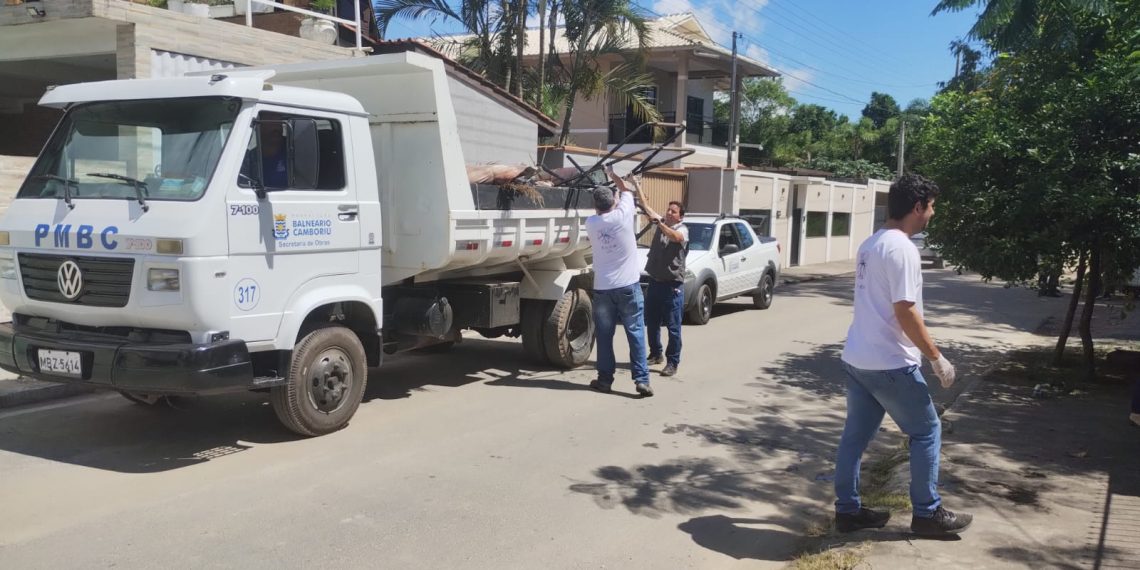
(60, 363)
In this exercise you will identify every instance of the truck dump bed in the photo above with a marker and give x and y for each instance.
(435, 224)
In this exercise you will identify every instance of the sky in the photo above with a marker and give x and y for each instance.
(832, 53)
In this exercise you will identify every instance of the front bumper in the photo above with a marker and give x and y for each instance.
(121, 363)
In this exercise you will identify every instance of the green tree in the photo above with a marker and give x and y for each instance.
(1039, 169)
(1011, 25)
(595, 29)
(881, 108)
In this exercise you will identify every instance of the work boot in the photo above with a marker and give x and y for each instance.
(644, 389)
(655, 359)
(599, 387)
(942, 523)
(865, 518)
(669, 370)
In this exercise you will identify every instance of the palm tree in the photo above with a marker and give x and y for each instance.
(595, 29)
(485, 21)
(1009, 25)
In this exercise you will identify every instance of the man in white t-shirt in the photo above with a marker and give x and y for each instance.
(617, 287)
(882, 358)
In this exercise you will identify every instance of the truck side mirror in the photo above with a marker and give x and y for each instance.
(304, 154)
(729, 249)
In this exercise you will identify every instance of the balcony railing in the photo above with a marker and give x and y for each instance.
(622, 125)
(698, 130)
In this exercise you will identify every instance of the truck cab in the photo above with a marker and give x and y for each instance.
(276, 229)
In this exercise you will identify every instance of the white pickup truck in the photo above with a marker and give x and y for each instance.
(726, 259)
(277, 230)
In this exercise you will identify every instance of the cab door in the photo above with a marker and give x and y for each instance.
(752, 263)
(729, 249)
(305, 224)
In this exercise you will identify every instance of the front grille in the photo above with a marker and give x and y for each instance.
(106, 281)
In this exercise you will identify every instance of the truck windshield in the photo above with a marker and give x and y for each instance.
(700, 236)
(162, 149)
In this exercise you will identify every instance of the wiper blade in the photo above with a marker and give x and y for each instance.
(140, 186)
(67, 184)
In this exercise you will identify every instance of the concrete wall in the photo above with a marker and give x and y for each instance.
(489, 132)
(706, 190)
(778, 195)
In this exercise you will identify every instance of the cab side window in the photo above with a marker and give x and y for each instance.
(745, 237)
(294, 152)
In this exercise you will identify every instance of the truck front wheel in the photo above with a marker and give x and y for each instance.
(569, 330)
(326, 382)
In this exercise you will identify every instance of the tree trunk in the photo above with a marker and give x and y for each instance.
(541, 54)
(1087, 313)
(553, 25)
(520, 41)
(575, 71)
(507, 30)
(1074, 302)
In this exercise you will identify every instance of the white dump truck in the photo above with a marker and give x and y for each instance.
(279, 230)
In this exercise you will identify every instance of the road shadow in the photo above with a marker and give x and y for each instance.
(108, 432)
(742, 538)
(105, 431)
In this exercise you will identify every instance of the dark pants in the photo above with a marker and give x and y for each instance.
(664, 304)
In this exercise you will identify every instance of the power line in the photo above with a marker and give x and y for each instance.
(793, 10)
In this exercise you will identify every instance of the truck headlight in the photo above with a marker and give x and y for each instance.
(163, 280)
(7, 268)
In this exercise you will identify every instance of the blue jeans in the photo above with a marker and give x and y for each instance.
(903, 394)
(626, 305)
(664, 303)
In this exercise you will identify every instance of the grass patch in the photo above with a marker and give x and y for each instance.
(847, 558)
(1032, 366)
(875, 492)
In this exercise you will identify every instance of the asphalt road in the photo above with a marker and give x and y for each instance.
(476, 459)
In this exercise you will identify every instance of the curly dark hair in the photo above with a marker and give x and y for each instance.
(907, 191)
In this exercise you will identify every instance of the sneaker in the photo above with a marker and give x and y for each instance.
(644, 389)
(1134, 419)
(943, 522)
(865, 518)
(655, 360)
(599, 387)
(669, 370)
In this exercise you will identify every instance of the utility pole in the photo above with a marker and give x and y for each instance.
(734, 122)
(902, 146)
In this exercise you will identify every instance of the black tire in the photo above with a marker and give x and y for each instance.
(154, 401)
(762, 298)
(569, 330)
(326, 382)
(701, 311)
(533, 321)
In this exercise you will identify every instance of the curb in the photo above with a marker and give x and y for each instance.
(23, 391)
(817, 277)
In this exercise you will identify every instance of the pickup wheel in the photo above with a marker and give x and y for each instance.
(326, 382)
(701, 311)
(532, 322)
(569, 330)
(762, 298)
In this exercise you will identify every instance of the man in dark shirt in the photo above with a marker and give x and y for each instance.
(665, 299)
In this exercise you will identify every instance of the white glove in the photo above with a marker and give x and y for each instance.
(944, 371)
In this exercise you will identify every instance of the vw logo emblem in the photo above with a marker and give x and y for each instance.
(70, 280)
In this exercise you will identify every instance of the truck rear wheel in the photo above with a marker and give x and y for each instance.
(569, 330)
(326, 382)
(532, 322)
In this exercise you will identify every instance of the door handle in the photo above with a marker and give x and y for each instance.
(743, 259)
(348, 212)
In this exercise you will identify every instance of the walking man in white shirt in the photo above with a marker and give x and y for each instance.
(617, 283)
(882, 359)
